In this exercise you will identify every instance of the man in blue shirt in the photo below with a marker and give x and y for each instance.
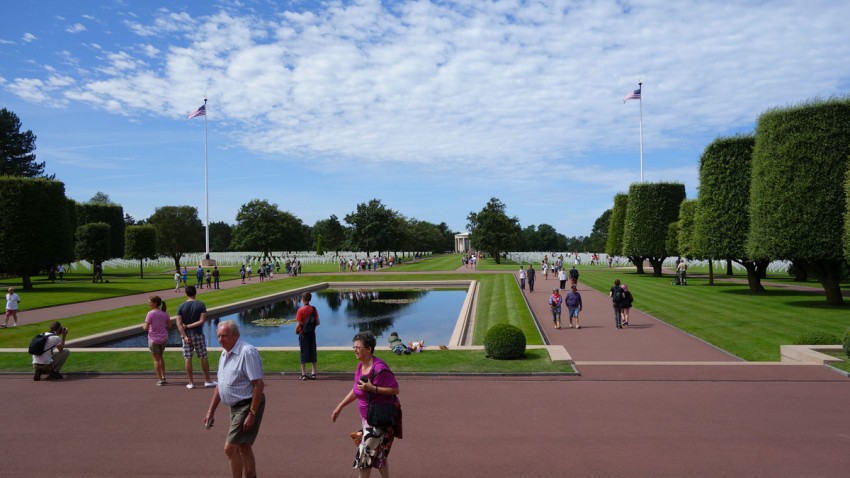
(191, 316)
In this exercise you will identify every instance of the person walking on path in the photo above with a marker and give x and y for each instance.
(50, 361)
(216, 275)
(616, 294)
(185, 276)
(521, 278)
(191, 316)
(373, 382)
(199, 275)
(573, 302)
(574, 276)
(562, 279)
(530, 275)
(240, 374)
(242, 273)
(307, 318)
(627, 304)
(157, 323)
(12, 300)
(555, 305)
(177, 279)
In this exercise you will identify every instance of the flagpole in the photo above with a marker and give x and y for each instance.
(640, 100)
(206, 186)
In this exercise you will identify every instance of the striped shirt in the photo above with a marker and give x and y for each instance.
(236, 370)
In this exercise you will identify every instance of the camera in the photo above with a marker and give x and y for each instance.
(364, 378)
(64, 330)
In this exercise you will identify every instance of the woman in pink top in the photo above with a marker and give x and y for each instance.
(157, 323)
(373, 380)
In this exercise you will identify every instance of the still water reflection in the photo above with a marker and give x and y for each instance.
(428, 315)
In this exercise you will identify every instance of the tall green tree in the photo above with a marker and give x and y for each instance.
(16, 149)
(447, 240)
(652, 207)
(492, 231)
(140, 243)
(332, 232)
(673, 238)
(35, 226)
(221, 235)
(93, 243)
(100, 198)
(109, 213)
(375, 227)
(686, 243)
(262, 226)
(547, 238)
(599, 233)
(797, 197)
(423, 236)
(722, 221)
(178, 231)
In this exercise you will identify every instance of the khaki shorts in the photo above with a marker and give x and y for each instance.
(238, 413)
(157, 349)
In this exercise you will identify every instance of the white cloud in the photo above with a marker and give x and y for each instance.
(76, 28)
(6, 42)
(505, 88)
(28, 37)
(40, 91)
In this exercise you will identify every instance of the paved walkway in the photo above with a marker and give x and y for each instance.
(651, 401)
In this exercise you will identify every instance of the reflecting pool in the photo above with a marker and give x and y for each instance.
(416, 314)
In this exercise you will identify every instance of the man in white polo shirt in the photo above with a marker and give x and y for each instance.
(240, 386)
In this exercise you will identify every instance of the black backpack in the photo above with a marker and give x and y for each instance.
(310, 323)
(38, 344)
(617, 294)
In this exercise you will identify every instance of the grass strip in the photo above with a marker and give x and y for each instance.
(444, 361)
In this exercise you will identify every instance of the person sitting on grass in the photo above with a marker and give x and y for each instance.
(416, 345)
(397, 346)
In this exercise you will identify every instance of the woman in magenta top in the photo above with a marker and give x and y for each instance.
(157, 323)
(372, 378)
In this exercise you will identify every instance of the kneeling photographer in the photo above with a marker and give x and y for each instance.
(49, 352)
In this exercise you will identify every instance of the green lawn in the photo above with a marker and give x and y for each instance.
(726, 314)
(450, 361)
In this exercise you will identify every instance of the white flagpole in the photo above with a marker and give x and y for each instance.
(206, 184)
(640, 100)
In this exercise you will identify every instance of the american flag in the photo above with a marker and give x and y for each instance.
(202, 111)
(634, 95)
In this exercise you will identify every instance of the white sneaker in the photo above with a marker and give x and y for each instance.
(210, 384)
(190, 386)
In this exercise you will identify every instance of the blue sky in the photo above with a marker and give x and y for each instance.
(431, 106)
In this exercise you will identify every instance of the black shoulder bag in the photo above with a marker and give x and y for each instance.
(381, 415)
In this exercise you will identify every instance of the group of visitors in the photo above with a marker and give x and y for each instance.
(622, 301)
(240, 383)
(527, 276)
(357, 264)
(573, 303)
(470, 260)
(211, 276)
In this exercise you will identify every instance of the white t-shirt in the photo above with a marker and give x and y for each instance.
(47, 356)
(12, 301)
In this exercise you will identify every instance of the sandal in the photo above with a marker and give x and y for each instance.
(303, 377)
(312, 376)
